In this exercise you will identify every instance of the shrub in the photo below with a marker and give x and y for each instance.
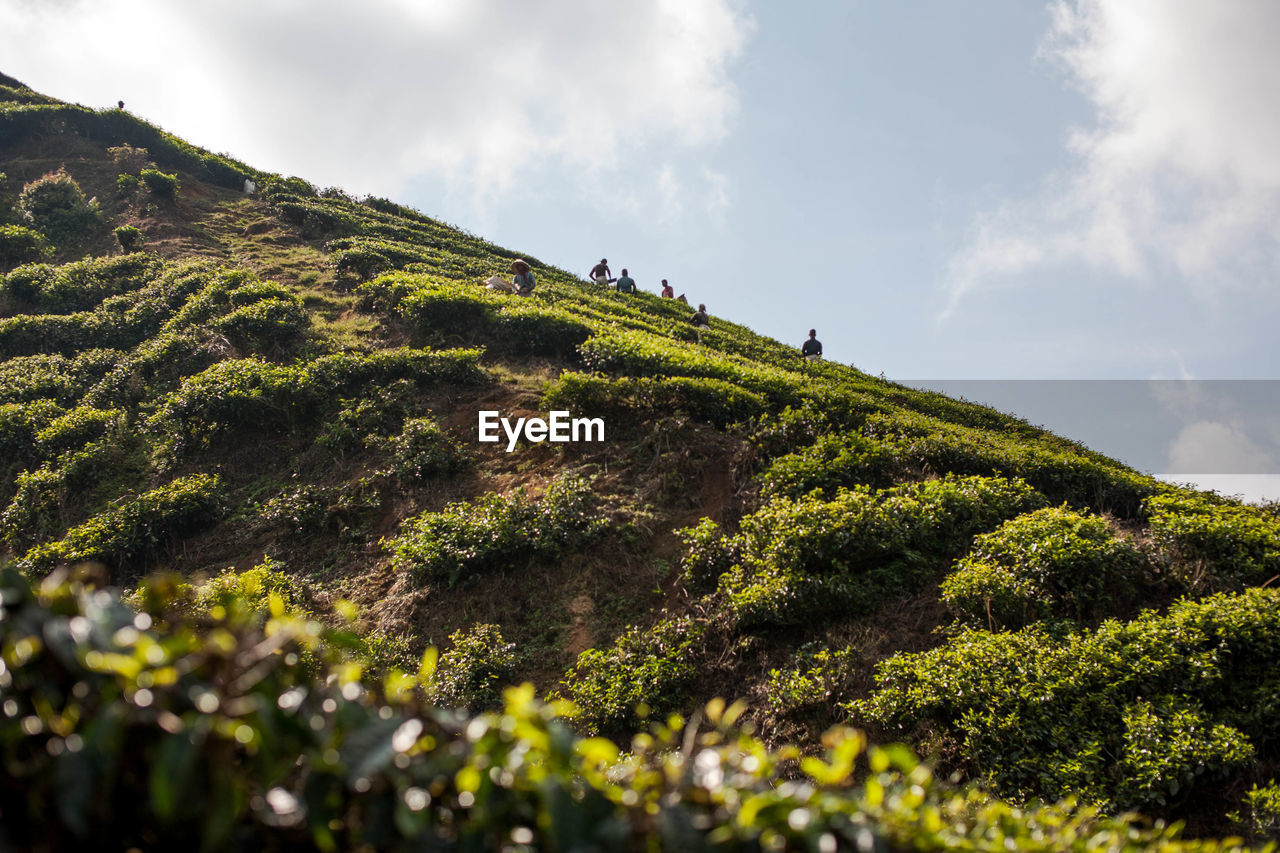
(266, 325)
(82, 285)
(254, 394)
(833, 461)
(1215, 542)
(56, 205)
(20, 423)
(128, 157)
(534, 329)
(252, 589)
(650, 667)
(128, 184)
(475, 669)
(1263, 802)
(922, 443)
(160, 183)
(811, 683)
(1145, 714)
(41, 496)
(1051, 563)
(74, 429)
(707, 554)
(422, 450)
(134, 532)
(711, 400)
(156, 727)
(57, 377)
(21, 245)
(496, 532)
(130, 238)
(807, 559)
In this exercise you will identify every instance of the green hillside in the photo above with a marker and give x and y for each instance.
(256, 416)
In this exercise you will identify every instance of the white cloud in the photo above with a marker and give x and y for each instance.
(1214, 447)
(369, 95)
(1179, 175)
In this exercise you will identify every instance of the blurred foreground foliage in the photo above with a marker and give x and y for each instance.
(214, 720)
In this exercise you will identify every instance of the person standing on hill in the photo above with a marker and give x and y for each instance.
(626, 284)
(701, 321)
(812, 348)
(667, 290)
(523, 279)
(600, 273)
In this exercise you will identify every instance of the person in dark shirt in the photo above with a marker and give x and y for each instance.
(701, 321)
(626, 284)
(812, 348)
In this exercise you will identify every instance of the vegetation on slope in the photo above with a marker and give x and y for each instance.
(277, 400)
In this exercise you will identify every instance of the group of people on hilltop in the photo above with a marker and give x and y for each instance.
(522, 284)
(625, 283)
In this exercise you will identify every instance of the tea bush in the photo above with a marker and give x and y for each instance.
(370, 419)
(632, 353)
(160, 184)
(128, 157)
(127, 185)
(808, 559)
(252, 589)
(56, 205)
(267, 325)
(711, 400)
(1047, 564)
(135, 531)
(78, 427)
(834, 460)
(496, 532)
(20, 423)
(1263, 802)
(55, 377)
(812, 684)
(456, 309)
(79, 286)
(925, 443)
(1213, 541)
(42, 495)
(130, 238)
(119, 322)
(21, 245)
(251, 393)
(474, 671)
(651, 667)
(153, 728)
(422, 450)
(1148, 714)
(707, 554)
(117, 127)
(538, 330)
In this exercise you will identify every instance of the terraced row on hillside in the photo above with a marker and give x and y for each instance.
(276, 396)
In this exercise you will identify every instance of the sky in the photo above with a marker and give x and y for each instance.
(1075, 190)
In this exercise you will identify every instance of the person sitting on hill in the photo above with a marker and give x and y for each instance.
(667, 290)
(701, 321)
(523, 279)
(626, 284)
(600, 273)
(812, 348)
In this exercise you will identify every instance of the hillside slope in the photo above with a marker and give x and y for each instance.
(286, 386)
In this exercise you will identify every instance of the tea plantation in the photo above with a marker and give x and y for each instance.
(262, 587)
